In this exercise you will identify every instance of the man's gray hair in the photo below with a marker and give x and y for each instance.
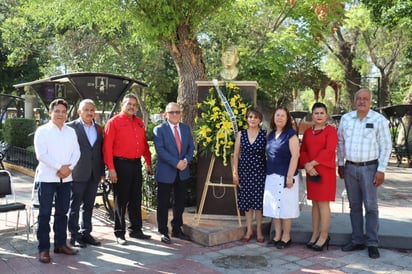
(85, 102)
(171, 104)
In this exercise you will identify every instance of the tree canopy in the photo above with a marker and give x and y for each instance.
(286, 46)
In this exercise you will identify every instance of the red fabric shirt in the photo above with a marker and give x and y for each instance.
(126, 138)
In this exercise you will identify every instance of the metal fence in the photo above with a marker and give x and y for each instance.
(21, 157)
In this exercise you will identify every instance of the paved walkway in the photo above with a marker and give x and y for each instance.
(17, 255)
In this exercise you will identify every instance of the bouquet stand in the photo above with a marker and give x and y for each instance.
(208, 184)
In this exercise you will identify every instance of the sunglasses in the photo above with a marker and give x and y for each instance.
(176, 112)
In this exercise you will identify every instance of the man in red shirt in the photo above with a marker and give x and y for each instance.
(124, 144)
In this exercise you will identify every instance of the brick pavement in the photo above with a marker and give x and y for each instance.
(19, 256)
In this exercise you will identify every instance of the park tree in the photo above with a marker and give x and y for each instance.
(274, 43)
(385, 46)
(10, 70)
(171, 24)
(397, 15)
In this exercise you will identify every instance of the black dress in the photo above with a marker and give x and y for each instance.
(252, 171)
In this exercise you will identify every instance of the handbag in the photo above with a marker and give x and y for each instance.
(315, 179)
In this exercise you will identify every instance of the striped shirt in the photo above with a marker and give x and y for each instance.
(364, 140)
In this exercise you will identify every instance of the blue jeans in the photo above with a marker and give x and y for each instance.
(362, 192)
(82, 193)
(60, 194)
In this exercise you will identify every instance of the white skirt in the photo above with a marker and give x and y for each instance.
(280, 202)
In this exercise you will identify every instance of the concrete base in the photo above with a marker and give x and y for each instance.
(220, 229)
(212, 229)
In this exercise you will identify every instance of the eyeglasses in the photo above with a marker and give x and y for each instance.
(176, 112)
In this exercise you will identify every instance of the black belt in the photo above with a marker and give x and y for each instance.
(367, 163)
(127, 159)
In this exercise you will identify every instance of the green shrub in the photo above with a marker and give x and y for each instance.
(149, 130)
(19, 132)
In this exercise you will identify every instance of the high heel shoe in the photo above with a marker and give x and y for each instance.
(282, 244)
(320, 247)
(246, 239)
(311, 244)
(272, 242)
(260, 240)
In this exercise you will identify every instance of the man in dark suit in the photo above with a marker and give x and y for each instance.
(87, 174)
(174, 146)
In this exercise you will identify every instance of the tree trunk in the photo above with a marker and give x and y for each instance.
(187, 56)
(142, 106)
(353, 81)
(384, 99)
(346, 50)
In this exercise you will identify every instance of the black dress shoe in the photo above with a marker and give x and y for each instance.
(373, 252)
(180, 235)
(352, 247)
(139, 235)
(77, 241)
(282, 244)
(165, 239)
(87, 238)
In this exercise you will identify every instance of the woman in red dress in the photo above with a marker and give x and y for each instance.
(318, 158)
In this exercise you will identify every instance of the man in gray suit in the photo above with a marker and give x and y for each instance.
(87, 174)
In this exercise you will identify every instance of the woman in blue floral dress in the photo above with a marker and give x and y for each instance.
(249, 172)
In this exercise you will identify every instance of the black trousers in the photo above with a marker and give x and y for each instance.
(127, 195)
(163, 202)
(82, 193)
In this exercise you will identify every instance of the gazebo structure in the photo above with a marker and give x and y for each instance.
(7, 101)
(73, 87)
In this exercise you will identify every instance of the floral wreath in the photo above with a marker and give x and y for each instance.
(214, 132)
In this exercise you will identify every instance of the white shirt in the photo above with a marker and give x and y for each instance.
(364, 140)
(54, 148)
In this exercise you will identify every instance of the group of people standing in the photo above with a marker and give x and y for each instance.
(266, 167)
(72, 159)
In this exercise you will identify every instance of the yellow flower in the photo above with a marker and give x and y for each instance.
(212, 102)
(204, 130)
(214, 128)
(233, 102)
(216, 109)
(214, 116)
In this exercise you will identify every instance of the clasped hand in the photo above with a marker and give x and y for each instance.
(64, 171)
(310, 170)
(182, 164)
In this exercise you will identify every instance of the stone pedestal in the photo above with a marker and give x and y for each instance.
(220, 200)
(248, 90)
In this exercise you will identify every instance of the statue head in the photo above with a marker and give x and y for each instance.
(229, 60)
(230, 57)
